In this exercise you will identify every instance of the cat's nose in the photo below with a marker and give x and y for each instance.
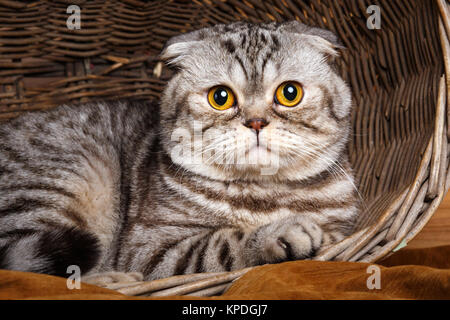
(256, 124)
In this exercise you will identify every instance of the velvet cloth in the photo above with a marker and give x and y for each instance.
(407, 274)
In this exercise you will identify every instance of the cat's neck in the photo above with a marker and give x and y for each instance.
(250, 202)
(332, 172)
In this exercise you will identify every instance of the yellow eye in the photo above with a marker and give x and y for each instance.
(221, 98)
(289, 94)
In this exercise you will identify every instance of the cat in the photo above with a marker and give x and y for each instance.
(109, 187)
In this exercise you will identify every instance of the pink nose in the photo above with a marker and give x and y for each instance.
(256, 124)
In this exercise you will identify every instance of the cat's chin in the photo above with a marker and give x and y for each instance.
(260, 156)
(258, 163)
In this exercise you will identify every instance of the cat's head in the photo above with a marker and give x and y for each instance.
(255, 101)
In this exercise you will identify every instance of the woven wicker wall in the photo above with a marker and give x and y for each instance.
(394, 72)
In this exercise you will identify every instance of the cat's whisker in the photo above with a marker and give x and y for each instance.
(336, 163)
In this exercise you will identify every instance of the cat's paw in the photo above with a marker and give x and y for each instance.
(107, 278)
(290, 239)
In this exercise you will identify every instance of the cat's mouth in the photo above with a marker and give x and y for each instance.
(259, 154)
(259, 147)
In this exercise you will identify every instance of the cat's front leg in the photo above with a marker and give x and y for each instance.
(293, 238)
(229, 248)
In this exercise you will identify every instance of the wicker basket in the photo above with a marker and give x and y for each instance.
(399, 149)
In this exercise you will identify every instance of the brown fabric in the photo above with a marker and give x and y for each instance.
(408, 274)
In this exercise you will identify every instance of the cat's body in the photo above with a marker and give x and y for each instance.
(100, 186)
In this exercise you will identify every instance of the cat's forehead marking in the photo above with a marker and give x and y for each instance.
(252, 48)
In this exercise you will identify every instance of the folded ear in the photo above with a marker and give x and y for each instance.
(179, 46)
(323, 40)
(323, 45)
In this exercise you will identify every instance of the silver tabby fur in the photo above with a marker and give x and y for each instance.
(96, 185)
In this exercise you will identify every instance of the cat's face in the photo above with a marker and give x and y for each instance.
(255, 102)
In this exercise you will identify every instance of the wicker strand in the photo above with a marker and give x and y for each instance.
(437, 140)
(422, 173)
(333, 251)
(415, 211)
(212, 291)
(425, 217)
(445, 15)
(202, 284)
(375, 241)
(373, 230)
(140, 287)
(179, 285)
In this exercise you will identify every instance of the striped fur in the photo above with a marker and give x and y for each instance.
(97, 185)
